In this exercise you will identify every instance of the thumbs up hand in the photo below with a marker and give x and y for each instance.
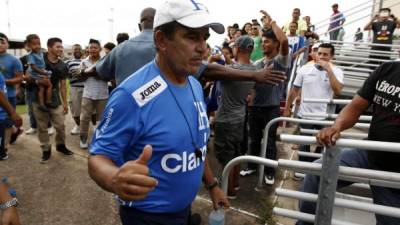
(132, 181)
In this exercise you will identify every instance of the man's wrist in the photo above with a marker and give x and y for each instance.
(4, 194)
(13, 202)
(210, 186)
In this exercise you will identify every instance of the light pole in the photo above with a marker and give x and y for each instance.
(111, 20)
(8, 17)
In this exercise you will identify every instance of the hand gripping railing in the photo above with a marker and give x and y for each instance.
(288, 119)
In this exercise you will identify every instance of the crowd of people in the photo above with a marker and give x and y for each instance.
(152, 121)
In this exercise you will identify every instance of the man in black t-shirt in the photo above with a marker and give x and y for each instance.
(382, 91)
(59, 106)
(383, 27)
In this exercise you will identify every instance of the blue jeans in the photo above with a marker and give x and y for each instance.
(359, 159)
(29, 96)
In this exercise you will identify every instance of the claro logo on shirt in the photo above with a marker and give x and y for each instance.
(149, 90)
(182, 163)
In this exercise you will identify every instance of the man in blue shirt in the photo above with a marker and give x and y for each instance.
(150, 149)
(6, 112)
(12, 71)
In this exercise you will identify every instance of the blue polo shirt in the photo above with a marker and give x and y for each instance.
(147, 109)
(9, 65)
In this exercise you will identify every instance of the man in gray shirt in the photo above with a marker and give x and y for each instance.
(266, 98)
(132, 54)
(229, 122)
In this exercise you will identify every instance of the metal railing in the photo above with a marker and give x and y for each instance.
(342, 134)
(293, 120)
(334, 116)
(327, 101)
(330, 172)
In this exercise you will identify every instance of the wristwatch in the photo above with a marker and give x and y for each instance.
(213, 184)
(8, 204)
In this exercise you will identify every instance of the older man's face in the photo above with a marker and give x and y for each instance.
(185, 51)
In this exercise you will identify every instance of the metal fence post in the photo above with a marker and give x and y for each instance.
(327, 186)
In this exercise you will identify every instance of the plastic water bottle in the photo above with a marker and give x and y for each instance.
(217, 217)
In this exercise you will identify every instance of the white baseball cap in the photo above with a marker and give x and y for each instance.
(189, 13)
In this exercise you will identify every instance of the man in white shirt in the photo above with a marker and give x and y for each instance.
(95, 92)
(320, 80)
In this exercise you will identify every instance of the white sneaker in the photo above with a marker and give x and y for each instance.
(247, 172)
(83, 145)
(50, 130)
(75, 130)
(31, 131)
(269, 179)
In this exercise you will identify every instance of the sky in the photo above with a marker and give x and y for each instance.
(76, 21)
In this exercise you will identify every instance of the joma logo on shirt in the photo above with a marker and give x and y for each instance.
(150, 90)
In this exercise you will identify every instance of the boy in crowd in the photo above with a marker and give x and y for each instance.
(38, 72)
(229, 122)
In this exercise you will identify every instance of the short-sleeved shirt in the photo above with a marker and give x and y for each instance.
(266, 94)
(382, 90)
(59, 72)
(37, 60)
(127, 57)
(301, 25)
(95, 89)
(314, 83)
(296, 43)
(232, 103)
(383, 31)
(9, 66)
(3, 88)
(257, 52)
(147, 109)
(74, 64)
(336, 19)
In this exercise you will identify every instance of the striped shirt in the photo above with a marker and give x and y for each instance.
(267, 94)
(74, 64)
(95, 89)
